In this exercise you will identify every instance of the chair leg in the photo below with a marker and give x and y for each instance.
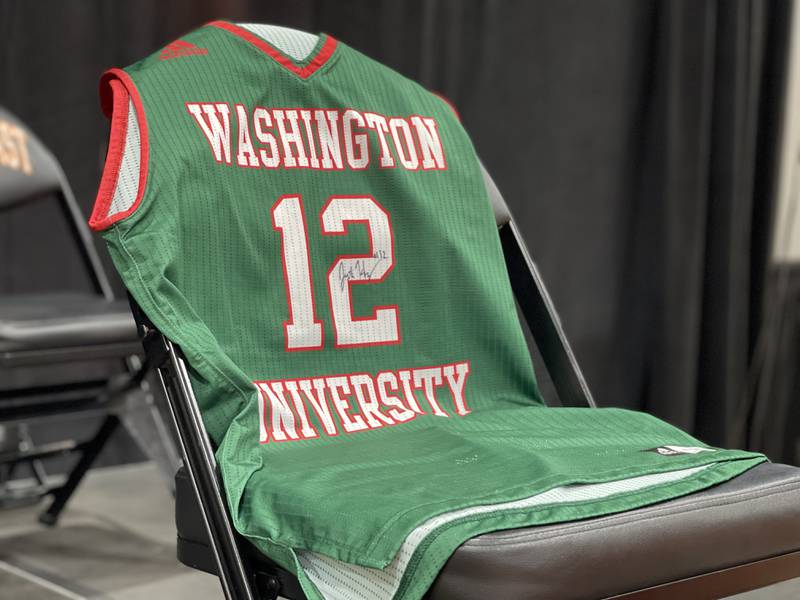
(16, 443)
(35, 465)
(142, 419)
(89, 454)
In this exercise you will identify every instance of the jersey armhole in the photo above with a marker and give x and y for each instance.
(124, 178)
(449, 104)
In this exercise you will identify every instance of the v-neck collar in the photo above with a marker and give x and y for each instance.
(304, 69)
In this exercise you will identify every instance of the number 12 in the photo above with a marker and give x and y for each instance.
(303, 330)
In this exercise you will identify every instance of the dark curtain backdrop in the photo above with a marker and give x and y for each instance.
(633, 139)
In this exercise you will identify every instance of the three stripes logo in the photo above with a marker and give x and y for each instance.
(179, 48)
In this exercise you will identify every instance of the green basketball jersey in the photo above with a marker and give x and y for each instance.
(313, 230)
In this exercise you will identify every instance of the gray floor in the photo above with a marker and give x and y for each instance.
(117, 541)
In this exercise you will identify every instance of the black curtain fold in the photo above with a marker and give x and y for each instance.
(698, 250)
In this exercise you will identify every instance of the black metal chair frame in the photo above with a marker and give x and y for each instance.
(84, 397)
(245, 575)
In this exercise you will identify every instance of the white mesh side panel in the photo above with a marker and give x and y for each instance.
(128, 178)
(294, 43)
(337, 580)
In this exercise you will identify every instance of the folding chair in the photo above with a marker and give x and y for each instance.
(189, 233)
(737, 536)
(47, 330)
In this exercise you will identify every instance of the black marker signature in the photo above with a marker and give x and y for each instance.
(359, 269)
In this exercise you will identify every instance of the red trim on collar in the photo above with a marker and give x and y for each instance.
(116, 89)
(303, 72)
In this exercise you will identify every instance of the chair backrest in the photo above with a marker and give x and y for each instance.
(502, 215)
(29, 171)
(537, 307)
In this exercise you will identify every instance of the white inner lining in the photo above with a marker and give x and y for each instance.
(294, 43)
(127, 186)
(337, 580)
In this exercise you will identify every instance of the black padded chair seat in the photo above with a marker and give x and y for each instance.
(35, 323)
(752, 517)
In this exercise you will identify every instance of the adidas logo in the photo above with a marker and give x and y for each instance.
(673, 450)
(180, 48)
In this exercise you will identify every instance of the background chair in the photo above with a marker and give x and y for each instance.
(45, 336)
(737, 536)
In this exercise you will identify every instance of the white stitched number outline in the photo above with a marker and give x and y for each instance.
(303, 330)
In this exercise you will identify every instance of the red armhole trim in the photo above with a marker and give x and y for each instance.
(116, 89)
(303, 72)
(450, 104)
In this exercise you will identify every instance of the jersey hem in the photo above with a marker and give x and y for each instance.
(404, 521)
(445, 541)
(439, 545)
(385, 544)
